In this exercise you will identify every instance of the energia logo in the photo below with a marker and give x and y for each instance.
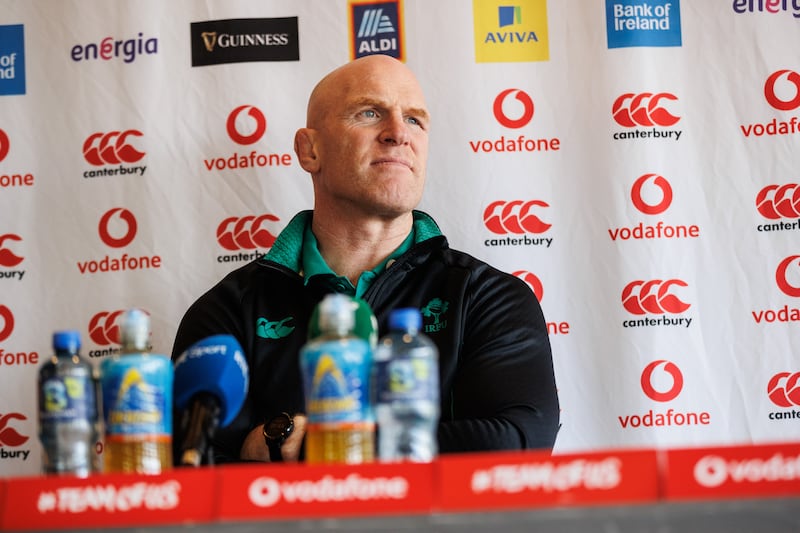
(513, 109)
(111, 48)
(632, 110)
(516, 217)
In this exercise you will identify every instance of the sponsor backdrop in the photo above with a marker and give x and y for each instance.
(635, 162)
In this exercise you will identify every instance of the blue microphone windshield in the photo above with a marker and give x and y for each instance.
(216, 366)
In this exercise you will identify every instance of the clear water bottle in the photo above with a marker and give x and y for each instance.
(68, 414)
(406, 380)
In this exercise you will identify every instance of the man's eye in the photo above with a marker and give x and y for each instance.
(412, 120)
(369, 113)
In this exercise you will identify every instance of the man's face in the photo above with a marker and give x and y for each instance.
(371, 140)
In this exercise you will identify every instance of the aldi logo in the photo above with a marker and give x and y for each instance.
(377, 28)
(12, 59)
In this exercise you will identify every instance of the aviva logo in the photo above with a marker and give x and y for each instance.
(510, 33)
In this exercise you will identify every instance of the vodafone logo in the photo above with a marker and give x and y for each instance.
(8, 435)
(784, 389)
(521, 117)
(111, 221)
(658, 182)
(644, 109)
(104, 329)
(641, 297)
(6, 322)
(7, 257)
(267, 491)
(713, 471)
(532, 281)
(517, 217)
(672, 391)
(237, 233)
(246, 128)
(779, 201)
(782, 276)
(786, 96)
(111, 148)
(4, 145)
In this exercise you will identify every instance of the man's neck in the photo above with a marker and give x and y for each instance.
(351, 247)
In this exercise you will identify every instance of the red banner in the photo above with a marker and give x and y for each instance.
(524, 480)
(288, 491)
(110, 501)
(733, 472)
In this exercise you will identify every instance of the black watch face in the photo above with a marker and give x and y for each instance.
(279, 427)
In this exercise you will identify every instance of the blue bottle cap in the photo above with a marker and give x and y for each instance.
(405, 319)
(67, 341)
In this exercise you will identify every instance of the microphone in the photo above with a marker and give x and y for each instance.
(209, 388)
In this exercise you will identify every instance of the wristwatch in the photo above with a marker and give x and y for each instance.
(276, 431)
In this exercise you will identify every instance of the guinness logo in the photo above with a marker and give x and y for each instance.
(209, 39)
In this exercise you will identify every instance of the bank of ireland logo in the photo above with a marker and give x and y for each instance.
(782, 90)
(510, 32)
(376, 27)
(104, 327)
(246, 124)
(12, 59)
(435, 310)
(522, 112)
(247, 232)
(662, 380)
(787, 276)
(643, 23)
(117, 227)
(631, 110)
(779, 201)
(6, 322)
(783, 389)
(644, 200)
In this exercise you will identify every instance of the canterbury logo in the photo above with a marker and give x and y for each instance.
(245, 233)
(645, 109)
(103, 328)
(532, 281)
(6, 322)
(642, 297)
(250, 135)
(7, 257)
(779, 201)
(514, 217)
(8, 435)
(126, 217)
(4, 145)
(769, 90)
(111, 148)
(784, 389)
(274, 329)
(782, 278)
(209, 40)
(675, 374)
(649, 208)
(527, 109)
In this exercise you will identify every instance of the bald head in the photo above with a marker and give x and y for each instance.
(362, 72)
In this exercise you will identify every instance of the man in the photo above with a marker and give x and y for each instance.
(365, 146)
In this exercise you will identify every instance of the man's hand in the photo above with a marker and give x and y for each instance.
(255, 449)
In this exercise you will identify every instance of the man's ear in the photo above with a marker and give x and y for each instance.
(306, 150)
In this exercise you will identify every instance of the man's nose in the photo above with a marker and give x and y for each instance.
(395, 130)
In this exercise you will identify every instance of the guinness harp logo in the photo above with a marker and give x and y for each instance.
(209, 39)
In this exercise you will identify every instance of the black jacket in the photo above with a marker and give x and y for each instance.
(496, 371)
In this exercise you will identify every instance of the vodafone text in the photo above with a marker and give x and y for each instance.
(774, 127)
(670, 418)
(18, 358)
(142, 495)
(16, 180)
(713, 471)
(114, 264)
(549, 477)
(267, 491)
(255, 159)
(659, 231)
(785, 314)
(520, 144)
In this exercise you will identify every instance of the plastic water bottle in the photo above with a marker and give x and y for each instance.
(137, 402)
(68, 414)
(406, 380)
(336, 374)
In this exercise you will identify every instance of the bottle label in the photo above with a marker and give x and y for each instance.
(336, 381)
(407, 380)
(137, 396)
(66, 398)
